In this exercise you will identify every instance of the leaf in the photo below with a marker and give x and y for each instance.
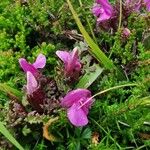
(95, 50)
(89, 77)
(10, 91)
(8, 135)
(86, 133)
(145, 101)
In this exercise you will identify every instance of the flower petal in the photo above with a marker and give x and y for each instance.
(96, 10)
(103, 17)
(40, 61)
(27, 67)
(77, 116)
(87, 106)
(74, 54)
(31, 83)
(75, 96)
(103, 10)
(105, 4)
(63, 55)
(73, 62)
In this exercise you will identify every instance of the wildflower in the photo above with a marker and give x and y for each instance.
(77, 114)
(71, 62)
(147, 3)
(102, 10)
(35, 95)
(39, 63)
(32, 84)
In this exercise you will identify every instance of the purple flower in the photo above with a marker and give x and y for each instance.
(39, 63)
(32, 84)
(76, 113)
(71, 62)
(147, 2)
(35, 94)
(102, 10)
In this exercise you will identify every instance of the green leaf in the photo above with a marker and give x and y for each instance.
(89, 77)
(86, 133)
(8, 135)
(95, 50)
(11, 91)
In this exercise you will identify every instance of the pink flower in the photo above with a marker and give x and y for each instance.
(147, 2)
(39, 63)
(102, 10)
(35, 95)
(71, 62)
(76, 113)
(32, 84)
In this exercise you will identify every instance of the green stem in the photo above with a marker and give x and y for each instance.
(120, 16)
(107, 133)
(104, 91)
(113, 88)
(80, 2)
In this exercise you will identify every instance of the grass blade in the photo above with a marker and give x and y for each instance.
(11, 91)
(8, 135)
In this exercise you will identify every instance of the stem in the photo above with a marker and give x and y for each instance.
(80, 2)
(120, 16)
(113, 88)
(107, 133)
(104, 91)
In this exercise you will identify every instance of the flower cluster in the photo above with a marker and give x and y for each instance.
(77, 102)
(74, 99)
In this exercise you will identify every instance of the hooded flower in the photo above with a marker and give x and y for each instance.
(35, 95)
(39, 63)
(32, 84)
(71, 62)
(102, 10)
(147, 2)
(77, 115)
